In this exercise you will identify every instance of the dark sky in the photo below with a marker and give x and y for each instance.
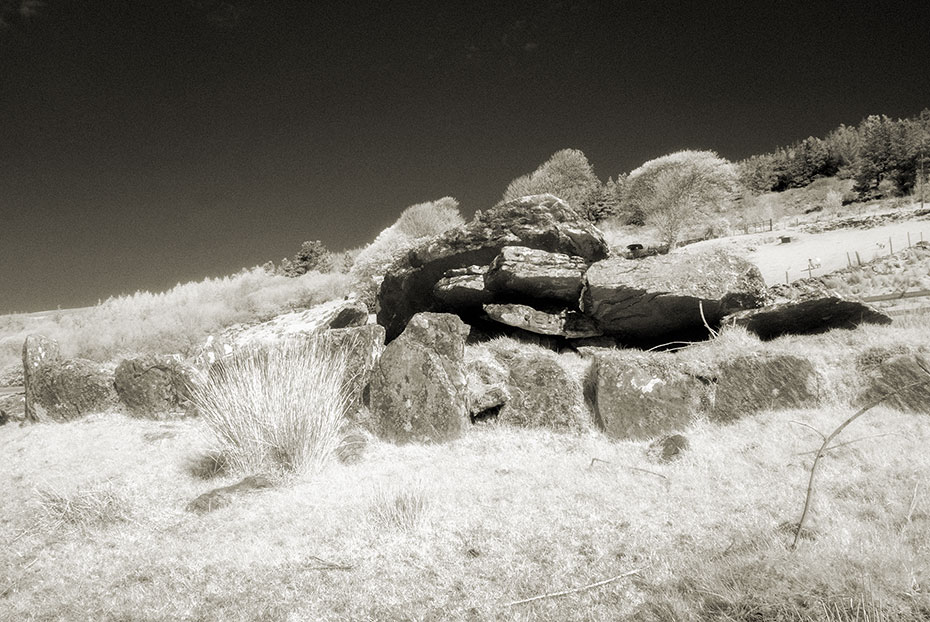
(145, 143)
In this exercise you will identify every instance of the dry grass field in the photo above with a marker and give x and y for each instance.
(94, 527)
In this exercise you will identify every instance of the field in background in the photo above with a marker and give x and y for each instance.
(832, 249)
(174, 321)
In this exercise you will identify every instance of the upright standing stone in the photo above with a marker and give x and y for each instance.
(418, 388)
(37, 351)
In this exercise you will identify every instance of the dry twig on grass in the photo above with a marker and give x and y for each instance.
(327, 565)
(626, 466)
(835, 433)
(574, 590)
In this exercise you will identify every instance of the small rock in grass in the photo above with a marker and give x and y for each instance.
(352, 448)
(669, 448)
(221, 497)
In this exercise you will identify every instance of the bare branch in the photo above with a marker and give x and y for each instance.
(575, 589)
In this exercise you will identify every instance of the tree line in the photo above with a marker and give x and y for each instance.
(885, 157)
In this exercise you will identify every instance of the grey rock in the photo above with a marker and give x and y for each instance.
(463, 287)
(72, 388)
(531, 273)
(418, 387)
(362, 347)
(662, 297)
(750, 384)
(222, 497)
(806, 317)
(155, 387)
(642, 395)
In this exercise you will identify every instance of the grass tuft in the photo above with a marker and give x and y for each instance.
(277, 409)
(400, 508)
(100, 504)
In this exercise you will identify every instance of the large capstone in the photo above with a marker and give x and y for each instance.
(418, 389)
(669, 297)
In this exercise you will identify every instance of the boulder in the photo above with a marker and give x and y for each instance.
(515, 383)
(541, 222)
(806, 317)
(463, 287)
(37, 351)
(362, 347)
(155, 387)
(563, 323)
(750, 384)
(71, 388)
(642, 395)
(904, 375)
(660, 298)
(329, 315)
(520, 272)
(418, 386)
(486, 383)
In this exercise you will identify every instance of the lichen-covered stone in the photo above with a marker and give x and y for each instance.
(72, 388)
(642, 395)
(561, 323)
(155, 387)
(539, 391)
(418, 386)
(750, 384)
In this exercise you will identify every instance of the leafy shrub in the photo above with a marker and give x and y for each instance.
(279, 409)
(429, 219)
(568, 175)
(679, 188)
